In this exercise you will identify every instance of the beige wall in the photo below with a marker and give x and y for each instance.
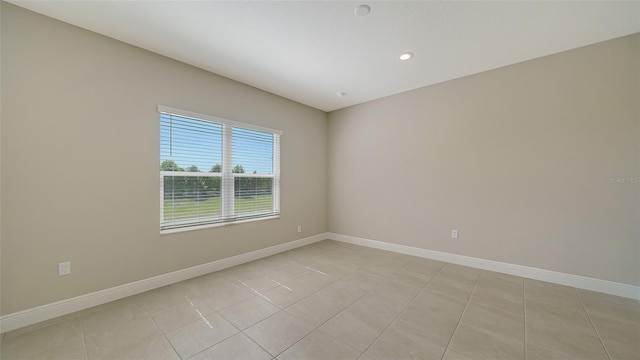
(0, 160)
(518, 159)
(80, 143)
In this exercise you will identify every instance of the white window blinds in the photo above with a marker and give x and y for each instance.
(216, 171)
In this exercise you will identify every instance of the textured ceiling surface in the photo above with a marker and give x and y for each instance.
(309, 51)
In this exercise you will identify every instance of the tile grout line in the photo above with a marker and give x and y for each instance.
(256, 294)
(320, 289)
(219, 313)
(405, 307)
(84, 337)
(164, 334)
(253, 341)
(461, 315)
(158, 327)
(334, 315)
(240, 331)
(232, 280)
(283, 309)
(351, 303)
(524, 310)
(592, 324)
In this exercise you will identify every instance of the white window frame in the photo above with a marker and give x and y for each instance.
(227, 175)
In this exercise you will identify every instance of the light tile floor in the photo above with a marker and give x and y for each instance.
(331, 300)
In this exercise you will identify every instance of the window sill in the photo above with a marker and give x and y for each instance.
(208, 226)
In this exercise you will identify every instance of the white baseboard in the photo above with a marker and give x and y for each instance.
(581, 282)
(49, 311)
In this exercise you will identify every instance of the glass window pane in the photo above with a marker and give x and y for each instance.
(191, 198)
(197, 188)
(252, 151)
(189, 145)
(253, 196)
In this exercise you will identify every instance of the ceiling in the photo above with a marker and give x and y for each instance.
(309, 51)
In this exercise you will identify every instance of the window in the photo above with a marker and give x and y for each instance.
(215, 171)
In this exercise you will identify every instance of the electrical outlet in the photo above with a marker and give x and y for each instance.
(299, 228)
(64, 268)
(454, 234)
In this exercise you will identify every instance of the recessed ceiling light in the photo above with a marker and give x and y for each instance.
(341, 94)
(362, 10)
(406, 56)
